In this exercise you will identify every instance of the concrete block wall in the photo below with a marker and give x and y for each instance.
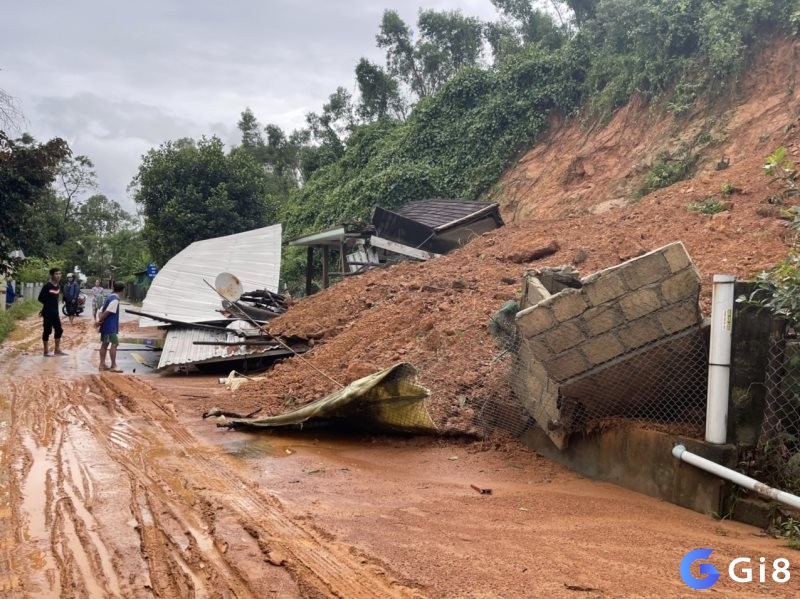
(617, 311)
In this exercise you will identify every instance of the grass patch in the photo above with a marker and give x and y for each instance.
(709, 206)
(667, 171)
(18, 310)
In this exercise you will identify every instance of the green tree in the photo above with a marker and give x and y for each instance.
(96, 221)
(127, 252)
(27, 169)
(524, 24)
(270, 146)
(328, 130)
(448, 41)
(75, 177)
(379, 93)
(192, 190)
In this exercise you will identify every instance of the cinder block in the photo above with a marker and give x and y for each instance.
(644, 270)
(679, 317)
(538, 349)
(639, 303)
(533, 350)
(568, 304)
(684, 284)
(533, 386)
(563, 337)
(534, 291)
(535, 320)
(601, 319)
(567, 365)
(602, 349)
(605, 287)
(676, 256)
(640, 332)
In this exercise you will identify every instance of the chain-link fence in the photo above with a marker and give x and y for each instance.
(575, 367)
(777, 461)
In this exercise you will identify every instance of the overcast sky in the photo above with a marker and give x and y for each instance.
(115, 79)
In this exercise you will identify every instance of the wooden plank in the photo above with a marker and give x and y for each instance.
(399, 248)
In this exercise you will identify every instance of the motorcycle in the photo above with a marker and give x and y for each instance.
(80, 304)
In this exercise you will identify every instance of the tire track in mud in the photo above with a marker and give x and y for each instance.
(320, 566)
(111, 496)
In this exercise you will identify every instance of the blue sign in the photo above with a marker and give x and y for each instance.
(152, 270)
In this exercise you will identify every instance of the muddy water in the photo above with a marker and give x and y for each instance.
(113, 486)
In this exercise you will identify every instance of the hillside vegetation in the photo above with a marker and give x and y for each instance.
(458, 141)
(586, 186)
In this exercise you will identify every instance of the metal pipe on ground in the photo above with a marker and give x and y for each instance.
(680, 452)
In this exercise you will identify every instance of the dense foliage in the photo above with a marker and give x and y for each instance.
(191, 190)
(441, 118)
(458, 139)
(27, 169)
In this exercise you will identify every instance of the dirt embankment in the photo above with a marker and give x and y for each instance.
(111, 485)
(577, 187)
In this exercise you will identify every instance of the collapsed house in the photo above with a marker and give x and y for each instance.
(418, 231)
(208, 323)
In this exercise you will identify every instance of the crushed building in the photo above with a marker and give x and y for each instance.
(419, 230)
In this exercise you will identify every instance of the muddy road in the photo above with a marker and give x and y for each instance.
(113, 486)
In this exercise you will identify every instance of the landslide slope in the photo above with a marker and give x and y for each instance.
(579, 187)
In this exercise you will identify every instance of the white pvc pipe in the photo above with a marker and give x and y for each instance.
(680, 452)
(719, 359)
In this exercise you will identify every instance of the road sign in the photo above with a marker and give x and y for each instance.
(152, 270)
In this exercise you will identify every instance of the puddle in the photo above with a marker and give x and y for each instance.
(34, 503)
(146, 341)
(255, 448)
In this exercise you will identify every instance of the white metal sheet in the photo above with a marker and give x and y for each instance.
(179, 347)
(179, 292)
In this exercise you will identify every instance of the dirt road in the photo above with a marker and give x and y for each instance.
(112, 486)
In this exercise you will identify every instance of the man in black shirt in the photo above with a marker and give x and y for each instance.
(48, 297)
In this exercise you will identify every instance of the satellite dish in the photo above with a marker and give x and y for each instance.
(228, 286)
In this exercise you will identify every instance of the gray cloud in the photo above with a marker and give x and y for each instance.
(116, 79)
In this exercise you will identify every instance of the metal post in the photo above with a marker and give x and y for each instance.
(719, 359)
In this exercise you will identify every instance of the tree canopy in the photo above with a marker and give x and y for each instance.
(27, 169)
(444, 117)
(192, 190)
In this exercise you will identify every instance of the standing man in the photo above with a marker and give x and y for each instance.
(97, 298)
(108, 323)
(48, 297)
(72, 291)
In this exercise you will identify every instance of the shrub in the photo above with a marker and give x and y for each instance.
(666, 171)
(707, 206)
(778, 289)
(18, 310)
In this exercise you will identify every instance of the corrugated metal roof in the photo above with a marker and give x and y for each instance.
(438, 213)
(179, 347)
(178, 291)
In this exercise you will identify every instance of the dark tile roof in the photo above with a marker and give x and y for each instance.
(437, 213)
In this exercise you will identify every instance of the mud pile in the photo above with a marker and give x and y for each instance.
(577, 189)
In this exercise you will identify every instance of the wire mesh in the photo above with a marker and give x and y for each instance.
(599, 370)
(778, 453)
